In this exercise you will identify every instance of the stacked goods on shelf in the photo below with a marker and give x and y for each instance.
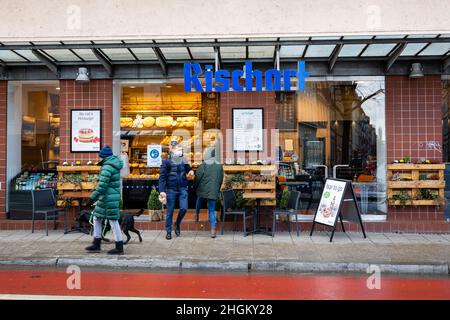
(416, 184)
(28, 180)
(158, 126)
(252, 180)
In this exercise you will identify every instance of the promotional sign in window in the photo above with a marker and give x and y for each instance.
(330, 202)
(154, 155)
(85, 130)
(248, 129)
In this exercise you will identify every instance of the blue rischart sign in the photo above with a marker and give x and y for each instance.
(220, 80)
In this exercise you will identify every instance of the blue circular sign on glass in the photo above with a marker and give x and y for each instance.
(154, 154)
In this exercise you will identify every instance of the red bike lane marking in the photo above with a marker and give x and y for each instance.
(217, 286)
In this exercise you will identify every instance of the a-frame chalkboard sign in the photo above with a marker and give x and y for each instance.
(338, 200)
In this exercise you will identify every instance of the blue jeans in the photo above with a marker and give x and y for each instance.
(211, 210)
(172, 196)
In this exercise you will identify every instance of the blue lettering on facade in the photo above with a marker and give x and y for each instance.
(220, 79)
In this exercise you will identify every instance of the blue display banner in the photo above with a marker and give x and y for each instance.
(220, 80)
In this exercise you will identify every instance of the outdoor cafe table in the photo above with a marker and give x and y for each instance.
(258, 196)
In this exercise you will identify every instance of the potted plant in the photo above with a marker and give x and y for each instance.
(154, 206)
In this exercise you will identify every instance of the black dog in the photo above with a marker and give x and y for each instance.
(126, 222)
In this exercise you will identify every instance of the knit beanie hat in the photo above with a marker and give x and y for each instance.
(105, 152)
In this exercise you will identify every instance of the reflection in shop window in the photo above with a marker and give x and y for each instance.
(337, 123)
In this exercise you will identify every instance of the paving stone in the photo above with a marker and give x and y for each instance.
(387, 249)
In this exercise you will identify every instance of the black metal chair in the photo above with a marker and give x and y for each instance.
(292, 209)
(229, 208)
(43, 202)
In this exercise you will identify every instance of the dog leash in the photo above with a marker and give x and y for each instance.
(91, 222)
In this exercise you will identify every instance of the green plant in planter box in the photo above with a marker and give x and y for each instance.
(73, 178)
(426, 194)
(402, 196)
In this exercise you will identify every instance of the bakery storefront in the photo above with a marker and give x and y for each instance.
(356, 119)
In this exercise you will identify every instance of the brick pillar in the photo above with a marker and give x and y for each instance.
(234, 99)
(413, 117)
(3, 135)
(96, 94)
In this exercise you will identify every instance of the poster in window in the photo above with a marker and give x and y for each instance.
(248, 129)
(124, 145)
(85, 130)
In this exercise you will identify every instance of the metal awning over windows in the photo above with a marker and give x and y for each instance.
(391, 48)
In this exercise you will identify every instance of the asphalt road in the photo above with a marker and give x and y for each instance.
(95, 284)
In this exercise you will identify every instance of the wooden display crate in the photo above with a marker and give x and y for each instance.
(264, 190)
(68, 186)
(244, 168)
(75, 190)
(254, 186)
(413, 185)
(78, 168)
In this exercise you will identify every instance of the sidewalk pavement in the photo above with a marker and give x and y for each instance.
(349, 252)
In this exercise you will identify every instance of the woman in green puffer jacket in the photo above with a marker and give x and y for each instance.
(107, 197)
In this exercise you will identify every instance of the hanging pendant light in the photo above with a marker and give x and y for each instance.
(416, 71)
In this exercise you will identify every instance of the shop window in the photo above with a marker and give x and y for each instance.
(40, 128)
(155, 114)
(335, 123)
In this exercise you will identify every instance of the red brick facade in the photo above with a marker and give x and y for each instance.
(97, 94)
(233, 99)
(413, 118)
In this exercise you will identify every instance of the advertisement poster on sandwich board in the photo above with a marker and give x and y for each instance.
(330, 202)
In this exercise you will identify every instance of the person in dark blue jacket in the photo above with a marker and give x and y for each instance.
(173, 185)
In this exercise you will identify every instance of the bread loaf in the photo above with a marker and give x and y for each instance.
(164, 122)
(148, 122)
(126, 122)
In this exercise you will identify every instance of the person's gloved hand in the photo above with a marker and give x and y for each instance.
(163, 198)
(90, 203)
